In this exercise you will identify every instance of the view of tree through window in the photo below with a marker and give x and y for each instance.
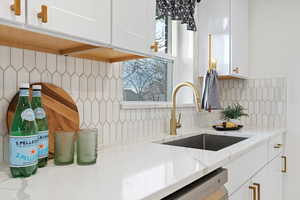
(146, 80)
(149, 79)
(162, 34)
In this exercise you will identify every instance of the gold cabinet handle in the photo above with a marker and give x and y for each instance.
(277, 146)
(43, 15)
(16, 7)
(154, 47)
(258, 190)
(254, 192)
(284, 170)
(236, 70)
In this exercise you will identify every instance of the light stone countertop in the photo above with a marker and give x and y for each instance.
(137, 171)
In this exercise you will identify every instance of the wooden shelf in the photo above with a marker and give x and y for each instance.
(228, 77)
(25, 39)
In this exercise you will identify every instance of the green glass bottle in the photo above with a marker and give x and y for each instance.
(23, 139)
(42, 124)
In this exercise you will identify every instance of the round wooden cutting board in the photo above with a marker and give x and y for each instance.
(61, 110)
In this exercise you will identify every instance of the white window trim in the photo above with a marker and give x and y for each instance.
(133, 105)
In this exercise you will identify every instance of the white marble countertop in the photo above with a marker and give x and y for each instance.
(137, 171)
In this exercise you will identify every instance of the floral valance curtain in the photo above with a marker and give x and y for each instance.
(182, 10)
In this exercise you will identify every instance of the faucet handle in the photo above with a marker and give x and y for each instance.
(178, 123)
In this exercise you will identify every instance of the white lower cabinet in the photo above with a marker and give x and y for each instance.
(243, 193)
(255, 176)
(266, 184)
(274, 183)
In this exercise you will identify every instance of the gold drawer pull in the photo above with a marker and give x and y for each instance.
(284, 170)
(154, 47)
(278, 146)
(258, 190)
(43, 15)
(254, 192)
(16, 7)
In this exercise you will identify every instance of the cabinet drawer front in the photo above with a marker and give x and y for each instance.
(7, 14)
(89, 20)
(243, 168)
(275, 146)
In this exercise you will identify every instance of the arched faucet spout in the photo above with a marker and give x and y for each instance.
(173, 122)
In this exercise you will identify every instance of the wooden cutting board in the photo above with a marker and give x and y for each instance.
(61, 110)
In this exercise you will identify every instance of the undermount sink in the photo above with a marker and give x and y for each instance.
(207, 142)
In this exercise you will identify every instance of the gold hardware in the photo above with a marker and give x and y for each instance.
(16, 7)
(154, 47)
(277, 146)
(173, 121)
(236, 70)
(254, 193)
(178, 123)
(212, 63)
(258, 190)
(43, 15)
(209, 50)
(284, 170)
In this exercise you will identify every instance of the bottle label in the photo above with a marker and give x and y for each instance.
(28, 115)
(36, 93)
(23, 151)
(39, 113)
(43, 144)
(24, 92)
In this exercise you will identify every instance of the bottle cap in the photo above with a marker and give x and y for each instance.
(36, 87)
(24, 85)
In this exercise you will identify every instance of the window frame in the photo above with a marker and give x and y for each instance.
(171, 57)
(170, 84)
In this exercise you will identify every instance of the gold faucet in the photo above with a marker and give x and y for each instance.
(174, 124)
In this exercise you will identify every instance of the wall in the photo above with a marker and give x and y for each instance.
(274, 52)
(97, 89)
(265, 100)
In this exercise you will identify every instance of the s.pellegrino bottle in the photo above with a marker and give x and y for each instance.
(42, 124)
(23, 138)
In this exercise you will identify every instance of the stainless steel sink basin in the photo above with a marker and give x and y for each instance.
(207, 142)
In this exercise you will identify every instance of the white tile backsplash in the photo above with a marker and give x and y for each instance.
(97, 89)
(264, 99)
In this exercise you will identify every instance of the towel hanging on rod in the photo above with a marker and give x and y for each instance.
(210, 98)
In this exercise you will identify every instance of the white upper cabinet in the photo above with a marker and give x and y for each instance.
(227, 22)
(133, 25)
(214, 19)
(13, 11)
(239, 37)
(89, 19)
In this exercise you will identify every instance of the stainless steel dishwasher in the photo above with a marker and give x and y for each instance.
(210, 187)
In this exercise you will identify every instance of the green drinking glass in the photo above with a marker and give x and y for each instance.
(64, 147)
(87, 140)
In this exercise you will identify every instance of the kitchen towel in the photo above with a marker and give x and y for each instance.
(210, 98)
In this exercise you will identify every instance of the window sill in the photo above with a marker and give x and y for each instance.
(127, 105)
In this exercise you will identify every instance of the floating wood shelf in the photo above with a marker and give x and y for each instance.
(227, 77)
(25, 39)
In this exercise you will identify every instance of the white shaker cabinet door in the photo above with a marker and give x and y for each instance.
(239, 37)
(214, 19)
(88, 19)
(243, 193)
(12, 11)
(275, 179)
(133, 24)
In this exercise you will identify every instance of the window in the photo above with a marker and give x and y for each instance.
(148, 79)
(162, 34)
